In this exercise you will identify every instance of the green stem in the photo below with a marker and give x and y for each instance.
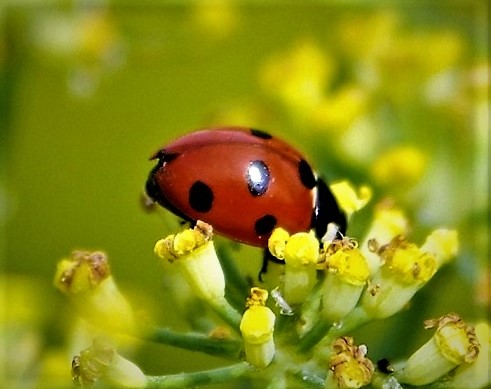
(355, 319)
(186, 380)
(328, 332)
(237, 287)
(228, 348)
(228, 313)
(317, 332)
(310, 380)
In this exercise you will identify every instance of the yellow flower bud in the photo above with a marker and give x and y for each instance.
(301, 256)
(257, 326)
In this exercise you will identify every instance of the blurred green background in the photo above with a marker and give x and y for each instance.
(393, 97)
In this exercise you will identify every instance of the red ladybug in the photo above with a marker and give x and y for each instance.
(243, 182)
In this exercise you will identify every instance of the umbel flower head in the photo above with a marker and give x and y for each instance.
(329, 288)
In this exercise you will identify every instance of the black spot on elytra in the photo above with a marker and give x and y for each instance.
(265, 225)
(258, 178)
(307, 175)
(260, 133)
(200, 197)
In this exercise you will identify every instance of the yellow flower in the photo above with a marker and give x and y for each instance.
(476, 374)
(298, 77)
(339, 110)
(347, 275)
(301, 253)
(406, 269)
(402, 166)
(388, 222)
(454, 343)
(193, 252)
(349, 366)
(86, 279)
(101, 362)
(257, 327)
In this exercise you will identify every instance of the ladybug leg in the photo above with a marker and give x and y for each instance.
(267, 257)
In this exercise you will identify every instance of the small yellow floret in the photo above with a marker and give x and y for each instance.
(443, 244)
(82, 272)
(257, 324)
(410, 265)
(350, 265)
(350, 367)
(301, 249)
(277, 242)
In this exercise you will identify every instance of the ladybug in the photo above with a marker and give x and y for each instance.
(243, 182)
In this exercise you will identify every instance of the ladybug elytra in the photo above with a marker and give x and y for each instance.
(243, 182)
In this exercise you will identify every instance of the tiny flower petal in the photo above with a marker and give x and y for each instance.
(443, 244)
(348, 198)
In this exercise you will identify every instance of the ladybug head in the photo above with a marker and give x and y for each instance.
(152, 187)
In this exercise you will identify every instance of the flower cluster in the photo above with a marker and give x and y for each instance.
(329, 287)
